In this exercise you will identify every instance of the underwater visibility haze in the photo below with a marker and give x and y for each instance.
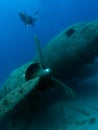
(26, 27)
(17, 45)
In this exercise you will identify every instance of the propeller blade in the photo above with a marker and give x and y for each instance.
(39, 52)
(63, 87)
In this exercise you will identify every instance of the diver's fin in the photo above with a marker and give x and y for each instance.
(37, 12)
(63, 88)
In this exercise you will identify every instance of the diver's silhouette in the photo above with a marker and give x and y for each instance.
(28, 20)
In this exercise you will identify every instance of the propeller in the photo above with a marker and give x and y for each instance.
(47, 73)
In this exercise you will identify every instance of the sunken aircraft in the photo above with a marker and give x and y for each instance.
(68, 52)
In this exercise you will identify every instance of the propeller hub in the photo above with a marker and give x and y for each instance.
(45, 72)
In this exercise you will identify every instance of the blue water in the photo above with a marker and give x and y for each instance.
(16, 41)
(17, 45)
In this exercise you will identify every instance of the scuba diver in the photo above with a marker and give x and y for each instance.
(28, 20)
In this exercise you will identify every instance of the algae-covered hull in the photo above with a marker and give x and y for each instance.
(72, 49)
(65, 54)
